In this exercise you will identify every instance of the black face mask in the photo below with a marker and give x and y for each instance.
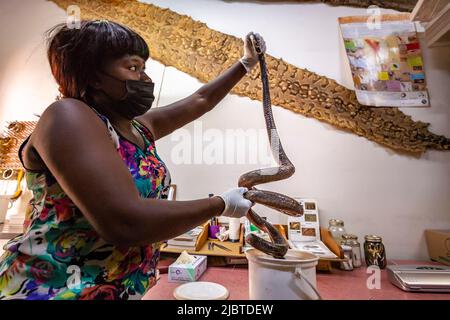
(137, 100)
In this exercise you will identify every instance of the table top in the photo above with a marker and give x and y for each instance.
(335, 285)
(9, 230)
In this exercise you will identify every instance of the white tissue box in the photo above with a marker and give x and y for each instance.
(187, 272)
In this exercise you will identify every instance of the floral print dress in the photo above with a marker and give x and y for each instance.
(61, 256)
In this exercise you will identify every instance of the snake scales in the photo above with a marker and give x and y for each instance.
(400, 5)
(279, 246)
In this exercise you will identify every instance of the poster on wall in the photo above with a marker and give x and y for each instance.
(385, 59)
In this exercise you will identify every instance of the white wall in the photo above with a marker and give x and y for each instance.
(372, 188)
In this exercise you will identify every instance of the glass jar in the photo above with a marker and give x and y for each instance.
(352, 241)
(374, 251)
(348, 256)
(336, 227)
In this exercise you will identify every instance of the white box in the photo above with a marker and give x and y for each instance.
(187, 272)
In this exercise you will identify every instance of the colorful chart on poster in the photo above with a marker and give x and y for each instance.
(386, 61)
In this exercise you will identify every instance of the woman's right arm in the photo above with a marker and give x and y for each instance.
(75, 146)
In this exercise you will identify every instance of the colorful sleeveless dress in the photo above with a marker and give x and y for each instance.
(61, 256)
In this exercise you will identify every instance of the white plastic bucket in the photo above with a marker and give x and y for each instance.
(291, 278)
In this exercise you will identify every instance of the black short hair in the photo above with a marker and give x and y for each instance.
(75, 54)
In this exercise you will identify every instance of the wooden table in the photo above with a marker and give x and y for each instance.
(338, 285)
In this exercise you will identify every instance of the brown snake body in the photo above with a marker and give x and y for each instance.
(279, 246)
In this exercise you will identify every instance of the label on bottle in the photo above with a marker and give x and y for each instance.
(234, 229)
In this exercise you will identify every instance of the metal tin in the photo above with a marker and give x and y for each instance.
(352, 241)
(374, 251)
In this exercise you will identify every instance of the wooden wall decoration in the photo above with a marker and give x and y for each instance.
(16, 133)
(191, 47)
(399, 5)
(11, 169)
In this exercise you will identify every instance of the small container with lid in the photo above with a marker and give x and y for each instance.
(234, 229)
(336, 227)
(374, 251)
(352, 241)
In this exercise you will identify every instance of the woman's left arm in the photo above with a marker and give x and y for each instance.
(163, 121)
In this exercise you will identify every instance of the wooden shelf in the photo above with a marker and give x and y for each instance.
(201, 247)
(435, 15)
(9, 231)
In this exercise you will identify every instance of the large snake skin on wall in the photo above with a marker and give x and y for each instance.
(400, 5)
(190, 46)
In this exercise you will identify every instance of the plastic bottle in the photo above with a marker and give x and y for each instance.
(234, 229)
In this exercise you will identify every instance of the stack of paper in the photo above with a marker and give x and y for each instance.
(186, 240)
(316, 247)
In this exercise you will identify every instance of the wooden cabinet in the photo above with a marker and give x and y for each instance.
(434, 15)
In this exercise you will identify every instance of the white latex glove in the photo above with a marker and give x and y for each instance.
(236, 205)
(250, 58)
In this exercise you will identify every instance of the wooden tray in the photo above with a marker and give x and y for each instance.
(201, 246)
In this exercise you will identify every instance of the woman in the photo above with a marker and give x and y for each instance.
(98, 213)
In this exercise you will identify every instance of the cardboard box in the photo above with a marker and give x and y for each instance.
(438, 242)
(187, 272)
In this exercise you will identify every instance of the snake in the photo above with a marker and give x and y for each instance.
(278, 245)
